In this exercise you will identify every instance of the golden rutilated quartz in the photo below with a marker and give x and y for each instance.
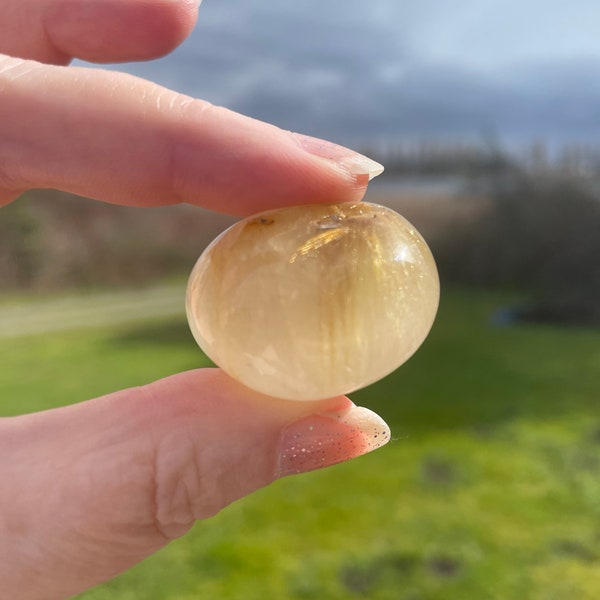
(309, 302)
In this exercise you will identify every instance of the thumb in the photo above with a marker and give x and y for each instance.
(89, 490)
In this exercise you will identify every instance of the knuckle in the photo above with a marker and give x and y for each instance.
(183, 491)
(14, 105)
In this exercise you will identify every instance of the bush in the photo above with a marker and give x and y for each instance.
(52, 240)
(540, 233)
(20, 253)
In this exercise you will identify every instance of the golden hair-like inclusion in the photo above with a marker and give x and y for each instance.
(313, 301)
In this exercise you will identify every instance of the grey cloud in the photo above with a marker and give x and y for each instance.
(342, 70)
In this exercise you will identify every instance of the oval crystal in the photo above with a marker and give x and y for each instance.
(309, 302)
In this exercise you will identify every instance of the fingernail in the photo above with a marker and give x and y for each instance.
(323, 440)
(358, 164)
(340, 157)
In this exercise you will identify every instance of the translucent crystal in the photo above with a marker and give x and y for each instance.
(309, 302)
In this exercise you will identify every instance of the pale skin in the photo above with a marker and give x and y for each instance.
(89, 490)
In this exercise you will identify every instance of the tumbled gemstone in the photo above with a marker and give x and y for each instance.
(309, 302)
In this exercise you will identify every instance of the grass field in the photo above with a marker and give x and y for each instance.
(489, 490)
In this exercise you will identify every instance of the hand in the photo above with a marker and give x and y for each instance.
(86, 491)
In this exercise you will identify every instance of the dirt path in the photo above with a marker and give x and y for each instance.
(31, 317)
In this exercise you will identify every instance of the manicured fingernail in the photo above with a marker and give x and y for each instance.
(339, 156)
(326, 439)
(358, 164)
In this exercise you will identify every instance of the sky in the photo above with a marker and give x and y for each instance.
(393, 70)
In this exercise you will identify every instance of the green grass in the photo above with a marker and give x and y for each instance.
(489, 490)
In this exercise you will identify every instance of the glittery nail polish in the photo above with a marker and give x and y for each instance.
(325, 439)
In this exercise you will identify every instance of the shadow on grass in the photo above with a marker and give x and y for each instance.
(396, 570)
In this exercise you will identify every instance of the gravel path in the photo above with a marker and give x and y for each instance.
(31, 317)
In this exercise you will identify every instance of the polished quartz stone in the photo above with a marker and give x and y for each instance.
(309, 302)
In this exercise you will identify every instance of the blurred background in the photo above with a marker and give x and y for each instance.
(486, 116)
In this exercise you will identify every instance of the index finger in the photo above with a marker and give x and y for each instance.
(121, 139)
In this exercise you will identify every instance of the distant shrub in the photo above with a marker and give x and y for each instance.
(51, 240)
(540, 233)
(20, 252)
